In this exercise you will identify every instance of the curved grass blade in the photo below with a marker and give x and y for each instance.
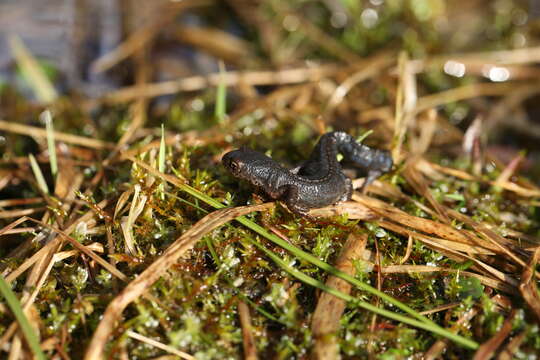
(221, 95)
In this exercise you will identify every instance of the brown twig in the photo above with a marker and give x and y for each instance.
(59, 136)
(248, 343)
(487, 349)
(231, 78)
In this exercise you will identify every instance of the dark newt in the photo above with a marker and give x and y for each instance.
(317, 182)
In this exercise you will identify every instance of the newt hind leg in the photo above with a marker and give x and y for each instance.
(291, 199)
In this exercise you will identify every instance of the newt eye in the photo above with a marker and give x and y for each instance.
(233, 165)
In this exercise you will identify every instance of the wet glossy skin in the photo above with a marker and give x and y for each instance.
(317, 182)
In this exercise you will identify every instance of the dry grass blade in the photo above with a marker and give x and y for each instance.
(159, 345)
(231, 78)
(217, 42)
(509, 351)
(430, 240)
(6, 214)
(429, 169)
(20, 230)
(59, 136)
(139, 108)
(189, 138)
(327, 315)
(408, 252)
(416, 180)
(122, 201)
(528, 286)
(406, 100)
(500, 57)
(30, 261)
(33, 284)
(12, 225)
(509, 170)
(59, 256)
(372, 68)
(486, 350)
(506, 106)
(21, 201)
(462, 93)
(137, 206)
(456, 94)
(427, 125)
(435, 171)
(353, 210)
(248, 343)
(493, 283)
(424, 225)
(491, 236)
(440, 308)
(5, 178)
(453, 243)
(146, 279)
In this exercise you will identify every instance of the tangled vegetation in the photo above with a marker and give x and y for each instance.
(122, 236)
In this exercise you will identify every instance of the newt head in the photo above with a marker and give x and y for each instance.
(250, 165)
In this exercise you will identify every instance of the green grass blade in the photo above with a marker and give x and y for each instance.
(364, 136)
(221, 95)
(161, 162)
(17, 310)
(38, 174)
(161, 158)
(47, 118)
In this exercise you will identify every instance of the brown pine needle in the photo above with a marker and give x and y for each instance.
(528, 286)
(231, 78)
(327, 315)
(159, 345)
(487, 350)
(248, 343)
(59, 136)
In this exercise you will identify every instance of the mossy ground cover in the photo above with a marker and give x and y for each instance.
(123, 252)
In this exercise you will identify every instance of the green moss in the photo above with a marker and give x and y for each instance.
(199, 295)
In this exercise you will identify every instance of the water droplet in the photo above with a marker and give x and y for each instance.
(496, 73)
(197, 105)
(454, 68)
(369, 18)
